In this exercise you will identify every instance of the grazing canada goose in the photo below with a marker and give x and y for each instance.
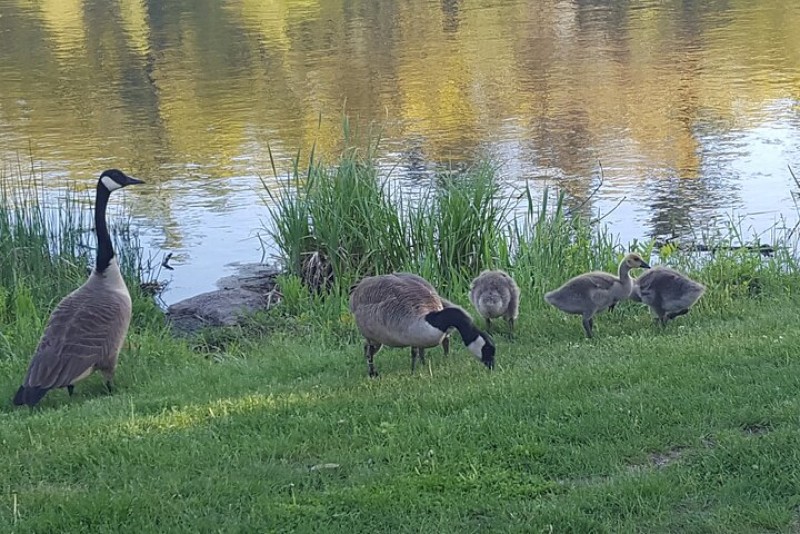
(445, 303)
(495, 294)
(86, 330)
(669, 293)
(404, 310)
(589, 293)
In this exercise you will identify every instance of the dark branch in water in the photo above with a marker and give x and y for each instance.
(165, 263)
(763, 249)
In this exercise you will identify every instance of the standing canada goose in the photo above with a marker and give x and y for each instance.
(495, 294)
(86, 330)
(404, 310)
(589, 293)
(669, 293)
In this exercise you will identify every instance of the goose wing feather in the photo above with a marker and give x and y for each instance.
(675, 290)
(85, 331)
(584, 291)
(389, 309)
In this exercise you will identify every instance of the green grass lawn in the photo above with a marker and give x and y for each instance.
(690, 429)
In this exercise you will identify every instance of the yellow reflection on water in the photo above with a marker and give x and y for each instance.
(190, 94)
(134, 20)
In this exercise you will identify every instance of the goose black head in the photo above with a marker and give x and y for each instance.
(114, 179)
(483, 348)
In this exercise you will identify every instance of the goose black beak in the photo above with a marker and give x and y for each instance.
(133, 181)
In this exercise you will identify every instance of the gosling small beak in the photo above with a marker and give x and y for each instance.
(644, 265)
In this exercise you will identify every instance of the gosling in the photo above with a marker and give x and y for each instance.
(495, 294)
(668, 293)
(404, 310)
(589, 293)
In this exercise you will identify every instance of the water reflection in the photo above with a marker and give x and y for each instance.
(690, 107)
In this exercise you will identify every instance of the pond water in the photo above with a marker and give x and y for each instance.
(692, 108)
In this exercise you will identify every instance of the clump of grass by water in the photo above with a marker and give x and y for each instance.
(458, 227)
(339, 217)
(462, 223)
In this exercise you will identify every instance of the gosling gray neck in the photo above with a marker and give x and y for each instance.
(625, 276)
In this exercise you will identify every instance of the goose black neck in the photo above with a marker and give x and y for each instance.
(454, 318)
(105, 249)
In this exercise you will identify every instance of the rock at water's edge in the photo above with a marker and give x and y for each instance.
(224, 307)
(247, 292)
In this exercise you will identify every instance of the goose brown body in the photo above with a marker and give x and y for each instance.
(589, 293)
(84, 334)
(404, 310)
(495, 294)
(667, 292)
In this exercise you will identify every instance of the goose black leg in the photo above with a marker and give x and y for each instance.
(446, 344)
(369, 352)
(70, 389)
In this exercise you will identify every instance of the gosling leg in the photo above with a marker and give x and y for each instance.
(588, 324)
(369, 351)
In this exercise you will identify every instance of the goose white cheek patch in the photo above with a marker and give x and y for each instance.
(476, 347)
(110, 184)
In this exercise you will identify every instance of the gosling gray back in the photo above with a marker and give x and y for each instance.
(588, 293)
(595, 291)
(495, 294)
(667, 292)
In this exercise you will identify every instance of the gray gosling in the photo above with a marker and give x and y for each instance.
(495, 294)
(86, 330)
(404, 310)
(589, 293)
(667, 292)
